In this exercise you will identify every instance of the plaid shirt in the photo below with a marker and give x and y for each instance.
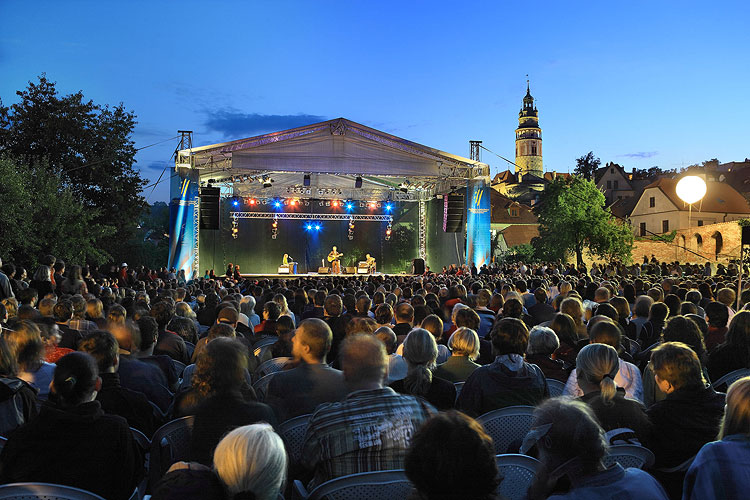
(82, 325)
(366, 431)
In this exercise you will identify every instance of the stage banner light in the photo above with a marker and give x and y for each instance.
(182, 230)
(478, 218)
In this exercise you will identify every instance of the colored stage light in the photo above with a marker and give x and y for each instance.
(252, 201)
(335, 203)
(388, 207)
(350, 206)
(317, 227)
(235, 202)
(277, 204)
(371, 205)
(293, 202)
(308, 227)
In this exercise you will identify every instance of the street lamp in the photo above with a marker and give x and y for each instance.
(691, 189)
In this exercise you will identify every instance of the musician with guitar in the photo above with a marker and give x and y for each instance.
(333, 258)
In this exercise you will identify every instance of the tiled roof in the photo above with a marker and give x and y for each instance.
(720, 197)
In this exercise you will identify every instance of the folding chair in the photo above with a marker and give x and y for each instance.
(730, 378)
(271, 366)
(261, 386)
(555, 387)
(293, 432)
(44, 491)
(380, 485)
(517, 472)
(629, 455)
(507, 425)
(170, 444)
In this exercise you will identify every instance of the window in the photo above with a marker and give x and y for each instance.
(533, 149)
(611, 170)
(616, 183)
(652, 202)
(619, 197)
(514, 212)
(609, 184)
(700, 223)
(665, 226)
(643, 229)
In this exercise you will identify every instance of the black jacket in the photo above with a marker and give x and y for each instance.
(80, 447)
(17, 404)
(131, 405)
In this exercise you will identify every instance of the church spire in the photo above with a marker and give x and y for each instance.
(529, 138)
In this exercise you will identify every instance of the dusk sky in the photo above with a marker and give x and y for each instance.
(637, 83)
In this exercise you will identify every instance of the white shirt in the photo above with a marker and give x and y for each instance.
(628, 377)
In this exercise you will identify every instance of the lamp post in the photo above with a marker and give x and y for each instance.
(691, 189)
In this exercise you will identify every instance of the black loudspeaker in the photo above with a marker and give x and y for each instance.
(358, 182)
(746, 235)
(306, 180)
(417, 266)
(209, 209)
(453, 213)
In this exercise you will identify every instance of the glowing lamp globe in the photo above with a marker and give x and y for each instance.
(691, 189)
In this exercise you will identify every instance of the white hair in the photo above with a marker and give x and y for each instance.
(542, 340)
(252, 458)
(457, 308)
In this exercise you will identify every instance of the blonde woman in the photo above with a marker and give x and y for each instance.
(464, 343)
(574, 308)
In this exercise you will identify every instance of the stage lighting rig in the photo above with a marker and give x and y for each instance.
(274, 229)
(351, 229)
(267, 181)
(388, 231)
(235, 227)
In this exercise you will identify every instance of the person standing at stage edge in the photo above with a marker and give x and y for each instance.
(333, 258)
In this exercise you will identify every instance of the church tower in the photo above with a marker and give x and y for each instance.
(529, 139)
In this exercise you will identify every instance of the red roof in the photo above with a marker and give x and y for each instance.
(519, 234)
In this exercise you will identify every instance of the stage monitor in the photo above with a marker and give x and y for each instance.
(209, 207)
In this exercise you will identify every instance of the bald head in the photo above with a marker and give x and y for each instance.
(363, 360)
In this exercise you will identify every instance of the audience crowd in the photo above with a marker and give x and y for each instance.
(390, 373)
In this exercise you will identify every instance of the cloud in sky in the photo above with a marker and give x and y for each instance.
(234, 124)
(640, 154)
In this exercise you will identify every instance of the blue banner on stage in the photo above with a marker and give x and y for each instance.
(478, 218)
(182, 229)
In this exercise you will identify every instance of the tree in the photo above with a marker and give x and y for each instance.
(88, 147)
(573, 217)
(40, 216)
(586, 166)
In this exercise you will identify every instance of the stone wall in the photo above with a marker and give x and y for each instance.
(695, 245)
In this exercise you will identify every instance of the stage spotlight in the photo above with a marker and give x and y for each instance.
(235, 202)
(388, 232)
(253, 201)
(308, 227)
(388, 207)
(335, 203)
(293, 203)
(277, 204)
(371, 205)
(317, 227)
(350, 206)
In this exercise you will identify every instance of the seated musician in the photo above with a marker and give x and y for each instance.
(370, 263)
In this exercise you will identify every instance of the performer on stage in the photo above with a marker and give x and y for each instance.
(288, 261)
(370, 263)
(333, 258)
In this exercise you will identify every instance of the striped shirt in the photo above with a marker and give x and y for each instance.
(367, 431)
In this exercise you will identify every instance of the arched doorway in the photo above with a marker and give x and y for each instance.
(719, 243)
(698, 241)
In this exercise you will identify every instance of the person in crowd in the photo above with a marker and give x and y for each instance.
(433, 324)
(717, 316)
(687, 418)
(6, 290)
(73, 284)
(271, 314)
(79, 321)
(95, 313)
(651, 330)
(318, 309)
(249, 462)
(168, 343)
(220, 399)
(63, 312)
(571, 445)
(451, 456)
(300, 390)
(149, 336)
(541, 312)
(640, 317)
(86, 448)
(42, 282)
(349, 423)
(596, 368)
(565, 329)
(50, 334)
(543, 343)
(25, 342)
(734, 352)
(397, 366)
(114, 399)
(507, 381)
(486, 315)
(420, 353)
(404, 314)
(720, 470)
(628, 376)
(573, 307)
(464, 345)
(17, 397)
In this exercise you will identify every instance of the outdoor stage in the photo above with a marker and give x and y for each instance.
(317, 275)
(335, 183)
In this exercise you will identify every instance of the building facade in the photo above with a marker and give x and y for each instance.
(529, 139)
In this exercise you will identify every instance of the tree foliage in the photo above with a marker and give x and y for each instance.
(573, 218)
(87, 147)
(586, 166)
(40, 216)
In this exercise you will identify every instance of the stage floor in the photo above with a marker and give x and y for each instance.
(314, 275)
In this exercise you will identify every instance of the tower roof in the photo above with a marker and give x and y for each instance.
(528, 108)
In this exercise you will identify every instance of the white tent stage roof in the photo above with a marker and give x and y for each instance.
(333, 154)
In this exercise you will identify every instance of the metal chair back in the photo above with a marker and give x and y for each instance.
(517, 472)
(507, 425)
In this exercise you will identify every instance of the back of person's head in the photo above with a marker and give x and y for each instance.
(388, 337)
(27, 295)
(27, 311)
(568, 430)
(468, 318)
(483, 297)
(678, 364)
(540, 295)
(384, 314)
(149, 329)
(434, 325)
(8, 363)
(220, 367)
(643, 306)
(363, 359)
(25, 342)
(658, 312)
(360, 324)
(737, 412)
(573, 308)
(94, 309)
(252, 460)
(116, 315)
(315, 334)
(162, 312)
(688, 308)
(542, 340)
(606, 332)
(738, 334)
(694, 296)
(451, 456)
(229, 315)
(420, 353)
(608, 310)
(673, 303)
(333, 305)
(601, 294)
(184, 327)
(726, 296)
(509, 336)
(512, 308)
(284, 324)
(682, 329)
(102, 346)
(63, 311)
(565, 328)
(75, 380)
(598, 364)
(221, 330)
(717, 313)
(464, 342)
(404, 313)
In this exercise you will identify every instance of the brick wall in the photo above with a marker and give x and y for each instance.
(700, 240)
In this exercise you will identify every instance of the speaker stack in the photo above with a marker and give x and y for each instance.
(453, 212)
(209, 208)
